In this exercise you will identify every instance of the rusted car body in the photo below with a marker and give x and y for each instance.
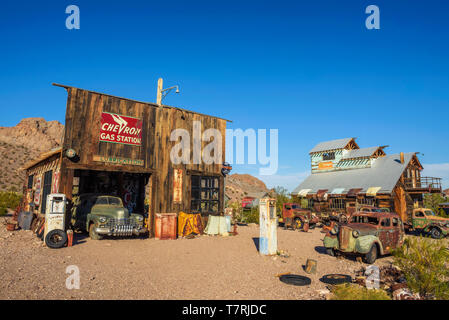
(295, 217)
(346, 217)
(370, 234)
(426, 221)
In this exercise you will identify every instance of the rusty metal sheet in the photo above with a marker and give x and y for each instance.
(353, 192)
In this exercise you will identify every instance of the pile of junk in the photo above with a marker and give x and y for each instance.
(51, 229)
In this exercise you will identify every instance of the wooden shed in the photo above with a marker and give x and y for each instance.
(122, 147)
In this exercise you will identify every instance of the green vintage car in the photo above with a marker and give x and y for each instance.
(426, 221)
(370, 234)
(102, 215)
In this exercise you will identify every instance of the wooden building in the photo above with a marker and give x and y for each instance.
(345, 177)
(122, 147)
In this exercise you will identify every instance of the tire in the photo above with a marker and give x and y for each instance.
(371, 256)
(336, 278)
(330, 251)
(298, 224)
(313, 226)
(92, 234)
(56, 239)
(295, 280)
(436, 233)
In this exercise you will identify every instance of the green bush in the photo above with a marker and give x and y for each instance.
(251, 216)
(355, 292)
(432, 201)
(424, 264)
(9, 199)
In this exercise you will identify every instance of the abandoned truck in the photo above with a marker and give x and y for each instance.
(293, 216)
(102, 215)
(426, 221)
(369, 234)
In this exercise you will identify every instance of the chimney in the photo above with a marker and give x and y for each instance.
(402, 157)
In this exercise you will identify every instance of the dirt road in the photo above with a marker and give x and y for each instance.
(202, 268)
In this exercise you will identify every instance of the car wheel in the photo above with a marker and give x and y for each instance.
(330, 251)
(93, 234)
(336, 279)
(56, 239)
(371, 256)
(435, 233)
(298, 224)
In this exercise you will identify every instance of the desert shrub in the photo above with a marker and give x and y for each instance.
(282, 197)
(424, 264)
(355, 292)
(10, 199)
(251, 216)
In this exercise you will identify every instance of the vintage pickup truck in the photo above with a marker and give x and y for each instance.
(368, 233)
(426, 221)
(293, 216)
(102, 215)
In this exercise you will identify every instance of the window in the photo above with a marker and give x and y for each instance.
(419, 214)
(204, 194)
(30, 181)
(395, 222)
(337, 203)
(385, 222)
(46, 189)
(328, 156)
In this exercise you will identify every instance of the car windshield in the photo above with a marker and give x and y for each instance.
(295, 206)
(365, 219)
(430, 213)
(115, 201)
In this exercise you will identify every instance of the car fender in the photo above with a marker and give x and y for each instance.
(90, 218)
(330, 242)
(363, 244)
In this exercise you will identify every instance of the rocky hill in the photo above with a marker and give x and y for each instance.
(24, 142)
(239, 186)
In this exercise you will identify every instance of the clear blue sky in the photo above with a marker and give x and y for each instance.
(309, 68)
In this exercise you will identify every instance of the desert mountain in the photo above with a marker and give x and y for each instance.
(239, 186)
(22, 143)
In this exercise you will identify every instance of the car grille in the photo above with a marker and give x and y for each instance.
(122, 227)
(344, 236)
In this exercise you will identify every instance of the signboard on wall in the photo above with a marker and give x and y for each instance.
(325, 165)
(118, 160)
(37, 192)
(121, 129)
(177, 186)
(55, 184)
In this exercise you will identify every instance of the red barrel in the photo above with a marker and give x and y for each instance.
(165, 226)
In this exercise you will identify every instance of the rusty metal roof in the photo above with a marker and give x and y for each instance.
(331, 145)
(384, 173)
(41, 158)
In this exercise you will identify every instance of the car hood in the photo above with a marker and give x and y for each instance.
(363, 228)
(110, 211)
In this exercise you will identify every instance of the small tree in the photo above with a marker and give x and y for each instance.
(432, 201)
(282, 197)
(424, 264)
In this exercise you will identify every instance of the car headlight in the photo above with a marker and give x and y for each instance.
(355, 233)
(102, 219)
(139, 218)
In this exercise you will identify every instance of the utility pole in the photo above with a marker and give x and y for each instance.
(161, 93)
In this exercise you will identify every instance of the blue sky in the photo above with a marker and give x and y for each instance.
(308, 68)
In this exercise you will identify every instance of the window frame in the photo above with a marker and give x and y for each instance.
(211, 186)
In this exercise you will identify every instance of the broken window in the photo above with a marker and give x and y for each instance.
(204, 194)
(328, 156)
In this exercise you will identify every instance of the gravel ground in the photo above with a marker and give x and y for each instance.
(205, 267)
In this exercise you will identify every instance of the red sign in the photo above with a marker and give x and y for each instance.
(116, 128)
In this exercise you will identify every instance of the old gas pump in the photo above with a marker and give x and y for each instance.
(55, 234)
(268, 226)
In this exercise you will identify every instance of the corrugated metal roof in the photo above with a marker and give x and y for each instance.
(331, 145)
(41, 157)
(360, 153)
(384, 173)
